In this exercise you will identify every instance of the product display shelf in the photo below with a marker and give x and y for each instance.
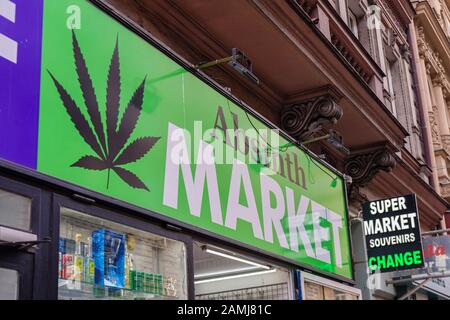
(154, 258)
(74, 222)
(79, 290)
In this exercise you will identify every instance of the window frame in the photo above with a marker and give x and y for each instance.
(27, 191)
(121, 216)
(31, 265)
(312, 278)
(243, 252)
(353, 23)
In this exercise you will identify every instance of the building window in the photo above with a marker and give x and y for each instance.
(389, 92)
(353, 23)
(390, 66)
(99, 259)
(15, 211)
(222, 274)
(341, 8)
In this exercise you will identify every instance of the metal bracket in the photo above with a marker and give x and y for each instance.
(411, 292)
(238, 61)
(84, 199)
(23, 245)
(407, 279)
(426, 233)
(173, 228)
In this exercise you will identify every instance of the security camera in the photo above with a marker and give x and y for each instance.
(335, 139)
(238, 61)
(242, 64)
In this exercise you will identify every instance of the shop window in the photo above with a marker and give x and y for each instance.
(320, 291)
(15, 211)
(221, 274)
(333, 294)
(353, 23)
(313, 291)
(99, 259)
(9, 284)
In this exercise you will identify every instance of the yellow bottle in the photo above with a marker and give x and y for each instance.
(131, 244)
(78, 259)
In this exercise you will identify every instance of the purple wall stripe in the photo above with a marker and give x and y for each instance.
(20, 62)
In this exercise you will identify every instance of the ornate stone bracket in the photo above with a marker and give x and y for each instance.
(356, 196)
(445, 139)
(433, 116)
(302, 120)
(363, 167)
(405, 51)
(433, 62)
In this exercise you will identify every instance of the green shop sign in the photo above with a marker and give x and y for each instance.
(119, 117)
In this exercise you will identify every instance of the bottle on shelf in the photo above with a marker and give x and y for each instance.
(88, 265)
(78, 259)
(67, 250)
(130, 275)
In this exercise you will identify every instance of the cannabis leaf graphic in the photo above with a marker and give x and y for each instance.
(111, 150)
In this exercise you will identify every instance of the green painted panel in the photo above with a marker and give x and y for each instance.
(106, 114)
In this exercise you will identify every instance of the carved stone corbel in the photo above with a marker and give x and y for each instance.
(446, 93)
(393, 39)
(302, 120)
(405, 51)
(364, 166)
(438, 80)
(435, 135)
(356, 196)
(421, 43)
(428, 68)
(445, 139)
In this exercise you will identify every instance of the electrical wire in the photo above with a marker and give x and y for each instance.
(251, 123)
(285, 147)
(320, 167)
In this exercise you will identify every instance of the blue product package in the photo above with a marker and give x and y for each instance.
(66, 246)
(69, 245)
(108, 251)
(62, 245)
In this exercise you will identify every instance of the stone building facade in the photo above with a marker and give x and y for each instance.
(431, 41)
(362, 84)
(356, 59)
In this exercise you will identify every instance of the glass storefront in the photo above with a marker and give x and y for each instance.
(221, 274)
(314, 291)
(318, 288)
(99, 259)
(80, 254)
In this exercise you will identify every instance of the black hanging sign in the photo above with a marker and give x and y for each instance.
(392, 232)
